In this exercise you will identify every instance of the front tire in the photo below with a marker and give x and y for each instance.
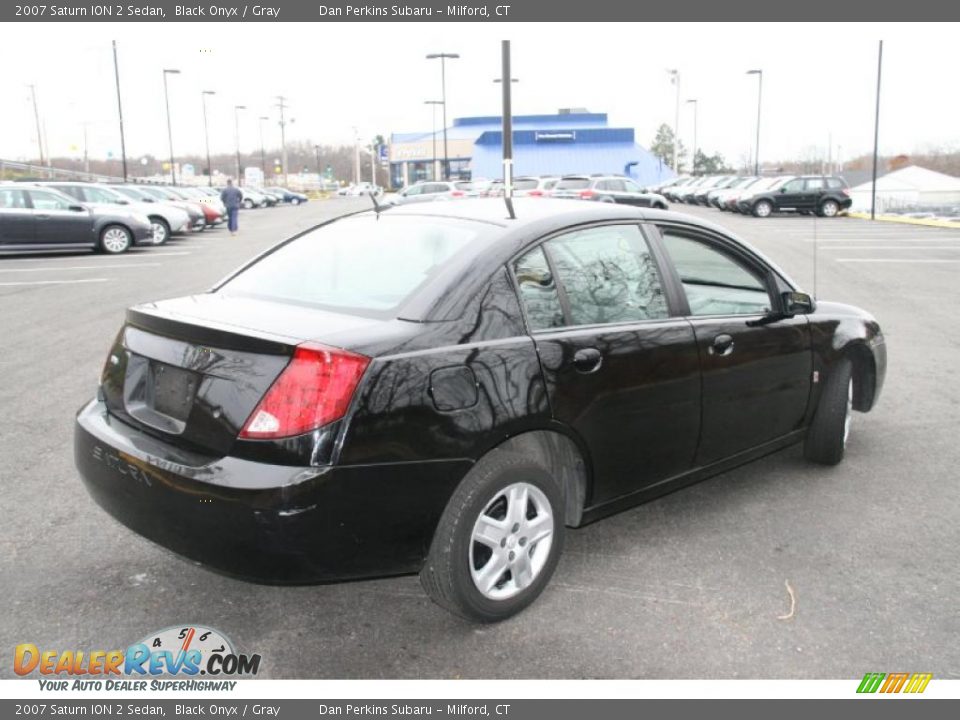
(498, 541)
(248, 204)
(827, 435)
(295, 201)
(161, 230)
(115, 239)
(763, 209)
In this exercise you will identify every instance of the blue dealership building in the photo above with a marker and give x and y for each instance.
(570, 142)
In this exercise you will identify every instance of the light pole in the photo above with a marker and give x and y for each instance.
(356, 156)
(756, 149)
(693, 102)
(206, 134)
(123, 140)
(443, 94)
(876, 136)
(283, 136)
(433, 162)
(236, 123)
(316, 149)
(166, 97)
(263, 154)
(506, 118)
(675, 80)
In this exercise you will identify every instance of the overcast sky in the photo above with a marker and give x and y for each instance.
(819, 81)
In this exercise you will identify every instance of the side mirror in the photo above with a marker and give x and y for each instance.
(77, 208)
(783, 189)
(123, 202)
(797, 303)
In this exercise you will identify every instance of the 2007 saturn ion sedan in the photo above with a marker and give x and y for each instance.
(443, 389)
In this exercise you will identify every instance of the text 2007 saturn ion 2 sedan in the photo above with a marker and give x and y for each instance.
(441, 389)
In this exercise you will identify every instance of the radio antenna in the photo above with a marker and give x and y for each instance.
(376, 206)
(815, 254)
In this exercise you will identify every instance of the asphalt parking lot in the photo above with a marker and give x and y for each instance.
(690, 586)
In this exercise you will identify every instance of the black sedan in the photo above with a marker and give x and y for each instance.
(34, 218)
(439, 388)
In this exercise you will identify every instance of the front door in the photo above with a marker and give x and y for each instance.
(620, 371)
(756, 378)
(60, 221)
(790, 196)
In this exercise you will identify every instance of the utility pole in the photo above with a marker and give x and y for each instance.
(433, 163)
(86, 155)
(756, 149)
(206, 135)
(283, 137)
(36, 117)
(166, 96)
(236, 121)
(123, 140)
(695, 105)
(263, 154)
(356, 156)
(507, 120)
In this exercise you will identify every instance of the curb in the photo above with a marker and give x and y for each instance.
(928, 222)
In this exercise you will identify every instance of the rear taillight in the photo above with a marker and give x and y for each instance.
(846, 191)
(313, 390)
(535, 193)
(456, 193)
(587, 194)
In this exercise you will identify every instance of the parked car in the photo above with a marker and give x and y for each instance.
(701, 196)
(672, 190)
(156, 193)
(743, 202)
(165, 219)
(363, 188)
(708, 182)
(534, 186)
(457, 389)
(42, 218)
(716, 198)
(608, 189)
(273, 197)
(214, 211)
(826, 195)
(254, 199)
(429, 191)
(289, 196)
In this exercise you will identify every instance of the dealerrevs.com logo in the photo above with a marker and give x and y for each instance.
(186, 651)
(887, 683)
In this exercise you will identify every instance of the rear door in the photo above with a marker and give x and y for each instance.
(620, 371)
(60, 221)
(16, 218)
(756, 378)
(813, 190)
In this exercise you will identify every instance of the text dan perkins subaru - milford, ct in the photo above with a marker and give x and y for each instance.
(443, 388)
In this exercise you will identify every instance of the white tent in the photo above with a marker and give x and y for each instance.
(909, 188)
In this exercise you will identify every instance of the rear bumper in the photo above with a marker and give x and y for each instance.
(267, 523)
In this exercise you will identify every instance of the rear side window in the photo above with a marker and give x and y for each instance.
(835, 183)
(366, 265)
(608, 275)
(573, 184)
(815, 184)
(538, 291)
(12, 198)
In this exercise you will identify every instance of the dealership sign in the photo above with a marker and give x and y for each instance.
(564, 136)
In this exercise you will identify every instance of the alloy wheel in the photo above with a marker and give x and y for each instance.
(849, 413)
(115, 240)
(511, 540)
(159, 232)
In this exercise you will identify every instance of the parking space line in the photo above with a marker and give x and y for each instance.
(54, 282)
(73, 267)
(896, 260)
(892, 247)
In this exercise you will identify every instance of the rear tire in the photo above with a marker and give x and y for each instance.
(115, 239)
(829, 208)
(827, 435)
(295, 201)
(494, 577)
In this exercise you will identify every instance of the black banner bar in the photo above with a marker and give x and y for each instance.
(499, 11)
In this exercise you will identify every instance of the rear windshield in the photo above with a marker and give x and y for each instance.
(573, 184)
(525, 184)
(365, 264)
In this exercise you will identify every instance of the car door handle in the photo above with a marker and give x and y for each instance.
(44, 216)
(587, 360)
(722, 345)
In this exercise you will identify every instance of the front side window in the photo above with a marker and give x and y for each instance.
(72, 191)
(793, 186)
(715, 283)
(538, 291)
(100, 195)
(608, 275)
(631, 186)
(48, 201)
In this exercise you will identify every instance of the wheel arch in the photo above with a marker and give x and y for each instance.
(864, 375)
(563, 458)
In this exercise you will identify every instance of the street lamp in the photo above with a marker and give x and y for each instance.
(433, 162)
(756, 150)
(236, 123)
(166, 97)
(263, 154)
(675, 80)
(316, 149)
(694, 103)
(206, 134)
(443, 93)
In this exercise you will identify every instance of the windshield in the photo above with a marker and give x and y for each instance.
(573, 184)
(361, 264)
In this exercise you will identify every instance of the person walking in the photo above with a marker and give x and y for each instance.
(232, 197)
